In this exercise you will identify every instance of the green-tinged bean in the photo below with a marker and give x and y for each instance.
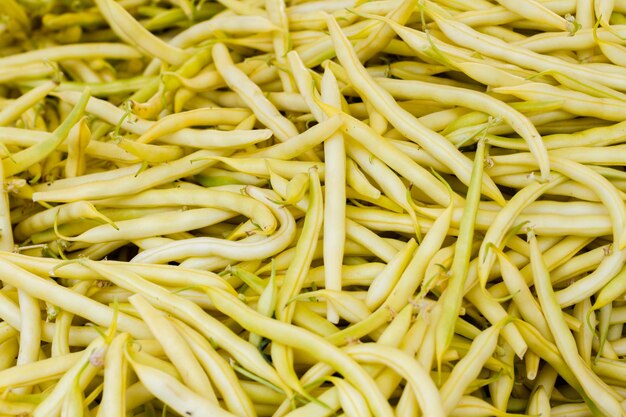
(452, 296)
(22, 160)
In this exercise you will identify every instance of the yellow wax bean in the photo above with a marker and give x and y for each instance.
(131, 31)
(202, 116)
(82, 372)
(225, 200)
(113, 399)
(600, 394)
(68, 300)
(232, 389)
(173, 393)
(175, 347)
(251, 93)
(209, 326)
(202, 138)
(203, 246)
(57, 53)
(572, 101)
(11, 113)
(475, 100)
(300, 143)
(387, 106)
(227, 24)
(131, 183)
(295, 337)
(465, 36)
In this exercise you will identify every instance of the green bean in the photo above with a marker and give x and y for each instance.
(20, 161)
(452, 296)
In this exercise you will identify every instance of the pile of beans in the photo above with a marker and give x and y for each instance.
(312, 208)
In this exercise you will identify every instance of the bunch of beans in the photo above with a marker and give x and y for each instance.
(312, 208)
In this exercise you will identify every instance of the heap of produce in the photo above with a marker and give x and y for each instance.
(320, 208)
